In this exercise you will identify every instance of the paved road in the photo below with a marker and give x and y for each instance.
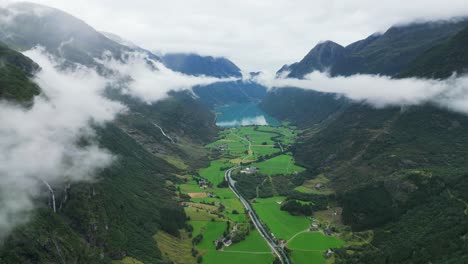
(255, 219)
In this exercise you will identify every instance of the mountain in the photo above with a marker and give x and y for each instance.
(443, 60)
(304, 108)
(30, 25)
(398, 173)
(223, 93)
(220, 93)
(320, 58)
(194, 64)
(386, 54)
(116, 216)
(15, 73)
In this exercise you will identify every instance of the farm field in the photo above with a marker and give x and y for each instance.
(282, 224)
(213, 209)
(309, 247)
(314, 241)
(253, 243)
(215, 172)
(305, 257)
(227, 257)
(283, 164)
(177, 249)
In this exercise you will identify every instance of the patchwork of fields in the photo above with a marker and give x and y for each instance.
(215, 213)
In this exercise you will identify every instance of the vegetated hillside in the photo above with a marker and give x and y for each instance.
(110, 219)
(388, 168)
(194, 64)
(399, 172)
(117, 215)
(187, 122)
(443, 60)
(387, 54)
(303, 108)
(15, 73)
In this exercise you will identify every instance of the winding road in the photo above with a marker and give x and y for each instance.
(256, 220)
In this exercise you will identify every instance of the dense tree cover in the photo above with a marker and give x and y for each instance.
(433, 231)
(301, 107)
(443, 60)
(399, 172)
(254, 185)
(16, 72)
(296, 208)
(118, 215)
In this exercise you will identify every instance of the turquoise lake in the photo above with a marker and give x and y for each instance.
(235, 115)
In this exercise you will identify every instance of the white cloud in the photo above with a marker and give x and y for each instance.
(40, 144)
(257, 35)
(382, 91)
(150, 80)
(248, 121)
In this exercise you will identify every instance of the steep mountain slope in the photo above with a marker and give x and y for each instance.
(388, 167)
(443, 60)
(116, 216)
(15, 73)
(398, 172)
(321, 58)
(110, 219)
(194, 64)
(30, 25)
(221, 93)
(230, 92)
(301, 107)
(386, 54)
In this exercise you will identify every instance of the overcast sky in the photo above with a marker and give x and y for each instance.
(255, 34)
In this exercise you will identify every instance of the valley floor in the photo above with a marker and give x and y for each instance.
(222, 231)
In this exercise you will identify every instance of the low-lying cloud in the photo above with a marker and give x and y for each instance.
(43, 145)
(40, 145)
(248, 121)
(382, 91)
(150, 80)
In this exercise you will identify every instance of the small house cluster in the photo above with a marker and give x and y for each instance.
(227, 240)
(249, 170)
(203, 184)
(223, 147)
(319, 186)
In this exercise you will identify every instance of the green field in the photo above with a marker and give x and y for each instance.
(281, 223)
(190, 187)
(213, 173)
(283, 164)
(309, 247)
(314, 241)
(307, 257)
(232, 147)
(212, 230)
(227, 257)
(253, 243)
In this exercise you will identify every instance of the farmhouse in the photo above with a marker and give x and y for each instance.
(203, 184)
(249, 170)
(227, 243)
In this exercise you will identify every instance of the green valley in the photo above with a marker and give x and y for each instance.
(265, 169)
